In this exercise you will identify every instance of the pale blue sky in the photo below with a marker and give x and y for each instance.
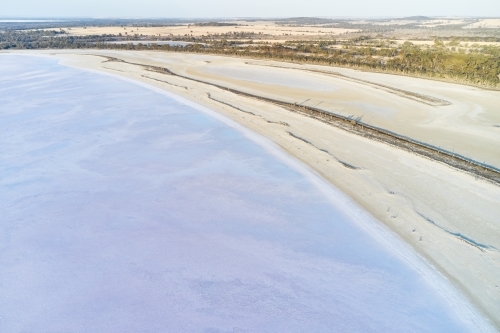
(249, 8)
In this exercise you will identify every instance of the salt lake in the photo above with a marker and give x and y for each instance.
(127, 209)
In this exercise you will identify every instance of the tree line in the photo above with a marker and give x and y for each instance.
(480, 65)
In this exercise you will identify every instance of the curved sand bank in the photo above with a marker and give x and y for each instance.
(458, 118)
(447, 216)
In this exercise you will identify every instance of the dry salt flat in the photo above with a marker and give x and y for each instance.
(126, 209)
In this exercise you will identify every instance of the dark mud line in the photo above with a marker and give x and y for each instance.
(347, 165)
(152, 78)
(230, 105)
(470, 241)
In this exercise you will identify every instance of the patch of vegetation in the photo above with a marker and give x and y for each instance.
(216, 24)
(459, 59)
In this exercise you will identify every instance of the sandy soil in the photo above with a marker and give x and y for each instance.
(438, 23)
(395, 22)
(447, 216)
(260, 28)
(485, 23)
(465, 124)
(431, 42)
(427, 23)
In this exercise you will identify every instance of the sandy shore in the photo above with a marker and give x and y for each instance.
(460, 119)
(447, 216)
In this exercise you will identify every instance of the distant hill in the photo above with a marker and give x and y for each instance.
(417, 18)
(305, 20)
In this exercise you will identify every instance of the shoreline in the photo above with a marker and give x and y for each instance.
(358, 127)
(444, 251)
(359, 68)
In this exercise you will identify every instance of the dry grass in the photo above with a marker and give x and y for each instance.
(485, 23)
(249, 27)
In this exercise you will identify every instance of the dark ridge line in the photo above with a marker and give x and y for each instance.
(234, 107)
(114, 69)
(278, 122)
(428, 100)
(304, 140)
(253, 114)
(326, 151)
(470, 241)
(152, 78)
(347, 165)
(457, 161)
